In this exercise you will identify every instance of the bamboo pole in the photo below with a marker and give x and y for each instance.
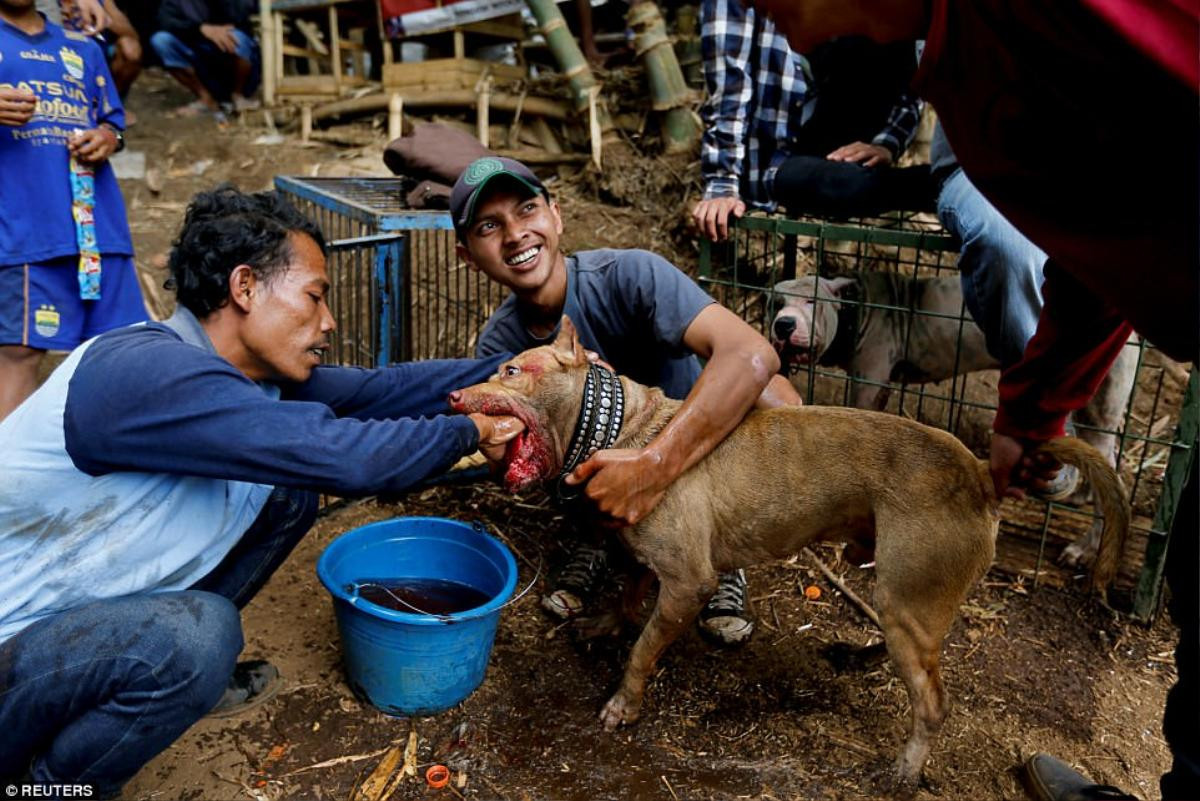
(269, 77)
(669, 93)
(395, 117)
(306, 122)
(584, 86)
(565, 49)
(482, 117)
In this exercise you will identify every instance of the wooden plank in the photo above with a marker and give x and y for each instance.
(303, 52)
(306, 5)
(335, 42)
(457, 72)
(267, 22)
(1021, 540)
(462, 98)
(307, 84)
(506, 27)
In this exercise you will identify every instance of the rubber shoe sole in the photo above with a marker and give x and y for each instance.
(562, 604)
(727, 629)
(253, 684)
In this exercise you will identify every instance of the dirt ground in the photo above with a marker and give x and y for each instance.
(784, 718)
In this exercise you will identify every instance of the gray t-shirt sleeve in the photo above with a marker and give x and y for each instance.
(659, 292)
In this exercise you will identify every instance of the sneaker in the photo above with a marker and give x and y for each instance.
(577, 582)
(726, 618)
(252, 683)
(1061, 487)
(1050, 779)
(241, 104)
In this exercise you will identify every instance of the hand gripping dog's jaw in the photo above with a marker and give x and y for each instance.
(518, 389)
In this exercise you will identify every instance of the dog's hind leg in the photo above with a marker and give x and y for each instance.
(677, 606)
(926, 563)
(914, 640)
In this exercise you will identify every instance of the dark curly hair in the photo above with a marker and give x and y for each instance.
(224, 228)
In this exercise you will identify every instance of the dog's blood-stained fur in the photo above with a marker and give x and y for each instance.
(915, 492)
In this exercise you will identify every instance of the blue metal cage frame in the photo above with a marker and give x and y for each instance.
(399, 291)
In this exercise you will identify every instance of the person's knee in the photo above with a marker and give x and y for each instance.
(247, 46)
(815, 185)
(171, 51)
(205, 635)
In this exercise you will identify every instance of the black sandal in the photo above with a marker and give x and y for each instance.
(253, 682)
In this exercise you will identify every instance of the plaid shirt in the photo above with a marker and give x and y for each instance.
(758, 97)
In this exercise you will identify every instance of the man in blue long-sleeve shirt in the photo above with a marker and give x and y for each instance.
(152, 485)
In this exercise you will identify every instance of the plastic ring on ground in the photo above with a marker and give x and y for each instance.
(438, 776)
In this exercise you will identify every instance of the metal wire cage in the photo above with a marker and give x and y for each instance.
(398, 291)
(1152, 440)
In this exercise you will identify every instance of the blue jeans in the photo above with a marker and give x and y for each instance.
(1001, 270)
(205, 59)
(92, 694)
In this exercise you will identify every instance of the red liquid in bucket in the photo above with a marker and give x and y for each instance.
(417, 596)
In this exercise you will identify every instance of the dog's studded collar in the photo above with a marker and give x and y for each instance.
(845, 338)
(600, 417)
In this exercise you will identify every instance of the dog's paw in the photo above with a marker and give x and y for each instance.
(621, 708)
(1082, 552)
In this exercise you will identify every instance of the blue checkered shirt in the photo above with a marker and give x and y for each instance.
(758, 97)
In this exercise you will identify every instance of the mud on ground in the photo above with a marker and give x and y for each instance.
(782, 718)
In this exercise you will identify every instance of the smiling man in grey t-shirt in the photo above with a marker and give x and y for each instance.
(649, 321)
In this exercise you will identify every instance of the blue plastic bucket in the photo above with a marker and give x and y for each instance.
(407, 663)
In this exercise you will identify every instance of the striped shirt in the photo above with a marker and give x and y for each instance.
(760, 94)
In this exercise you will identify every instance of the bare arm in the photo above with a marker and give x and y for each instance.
(627, 484)
(120, 24)
(779, 392)
(92, 15)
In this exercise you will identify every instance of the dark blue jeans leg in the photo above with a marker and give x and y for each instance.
(282, 523)
(92, 694)
(1182, 715)
(839, 189)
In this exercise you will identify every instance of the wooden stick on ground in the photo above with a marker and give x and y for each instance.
(862, 605)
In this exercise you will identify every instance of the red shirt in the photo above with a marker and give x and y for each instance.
(1079, 120)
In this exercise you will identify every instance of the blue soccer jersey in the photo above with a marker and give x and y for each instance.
(75, 92)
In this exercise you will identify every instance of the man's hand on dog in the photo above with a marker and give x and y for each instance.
(1013, 472)
(495, 433)
(624, 483)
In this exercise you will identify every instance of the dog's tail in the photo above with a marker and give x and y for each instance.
(1110, 496)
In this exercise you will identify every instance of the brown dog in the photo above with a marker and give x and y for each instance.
(917, 493)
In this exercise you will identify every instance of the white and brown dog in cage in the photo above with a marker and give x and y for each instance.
(884, 327)
(783, 479)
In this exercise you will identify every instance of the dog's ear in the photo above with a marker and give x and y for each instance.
(566, 344)
(836, 285)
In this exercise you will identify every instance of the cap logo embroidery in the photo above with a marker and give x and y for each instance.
(481, 169)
